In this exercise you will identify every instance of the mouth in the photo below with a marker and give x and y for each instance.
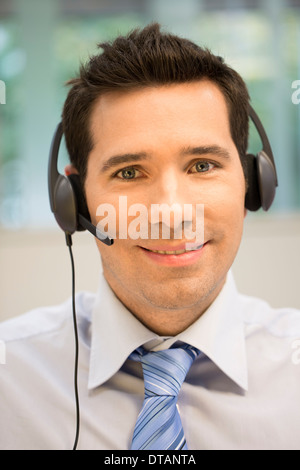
(176, 256)
(175, 252)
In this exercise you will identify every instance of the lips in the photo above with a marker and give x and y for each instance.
(169, 251)
(185, 254)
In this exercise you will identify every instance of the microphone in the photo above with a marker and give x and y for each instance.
(94, 230)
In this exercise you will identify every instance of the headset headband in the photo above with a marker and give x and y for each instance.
(263, 137)
(53, 173)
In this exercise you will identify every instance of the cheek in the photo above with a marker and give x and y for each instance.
(100, 203)
(225, 209)
(118, 261)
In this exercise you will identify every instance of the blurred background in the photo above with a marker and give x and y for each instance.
(43, 42)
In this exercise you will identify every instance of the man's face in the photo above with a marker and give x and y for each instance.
(176, 148)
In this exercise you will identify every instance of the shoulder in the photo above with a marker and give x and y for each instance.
(279, 322)
(45, 320)
(37, 362)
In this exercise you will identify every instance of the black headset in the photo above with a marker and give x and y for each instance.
(69, 206)
(66, 196)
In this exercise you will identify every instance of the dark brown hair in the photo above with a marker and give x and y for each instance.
(148, 57)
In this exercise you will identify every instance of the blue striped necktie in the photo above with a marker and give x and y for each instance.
(158, 425)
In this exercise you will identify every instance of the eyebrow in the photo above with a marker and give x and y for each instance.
(117, 160)
(206, 150)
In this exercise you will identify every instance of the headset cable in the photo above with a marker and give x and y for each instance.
(69, 245)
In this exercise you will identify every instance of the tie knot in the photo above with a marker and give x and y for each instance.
(165, 371)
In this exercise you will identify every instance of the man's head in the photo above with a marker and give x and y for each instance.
(157, 120)
(148, 58)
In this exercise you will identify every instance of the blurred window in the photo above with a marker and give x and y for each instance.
(43, 43)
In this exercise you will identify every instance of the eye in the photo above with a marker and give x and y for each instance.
(127, 173)
(202, 167)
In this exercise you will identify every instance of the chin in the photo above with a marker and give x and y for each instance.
(176, 295)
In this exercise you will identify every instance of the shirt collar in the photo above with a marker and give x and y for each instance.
(218, 333)
(116, 333)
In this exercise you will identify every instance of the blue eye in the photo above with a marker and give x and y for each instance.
(127, 173)
(202, 167)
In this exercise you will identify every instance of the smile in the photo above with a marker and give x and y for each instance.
(177, 252)
(183, 256)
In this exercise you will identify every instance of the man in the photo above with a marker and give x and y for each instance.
(157, 120)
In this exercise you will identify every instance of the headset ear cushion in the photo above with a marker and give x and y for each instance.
(267, 180)
(80, 199)
(252, 200)
(65, 204)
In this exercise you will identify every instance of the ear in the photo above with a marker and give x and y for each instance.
(71, 170)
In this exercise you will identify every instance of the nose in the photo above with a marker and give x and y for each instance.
(170, 187)
(168, 198)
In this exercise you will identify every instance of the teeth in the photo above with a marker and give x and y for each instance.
(178, 252)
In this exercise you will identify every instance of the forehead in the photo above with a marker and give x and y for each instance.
(154, 113)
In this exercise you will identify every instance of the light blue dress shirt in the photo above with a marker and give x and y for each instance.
(241, 393)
